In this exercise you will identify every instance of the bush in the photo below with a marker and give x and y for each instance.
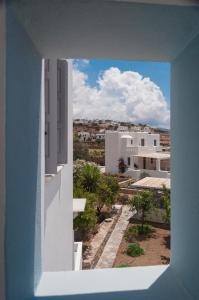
(134, 250)
(145, 229)
(125, 265)
(137, 230)
(85, 223)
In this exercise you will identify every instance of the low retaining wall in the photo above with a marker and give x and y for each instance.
(99, 241)
(157, 216)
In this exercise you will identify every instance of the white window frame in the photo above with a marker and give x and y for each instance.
(50, 94)
(57, 84)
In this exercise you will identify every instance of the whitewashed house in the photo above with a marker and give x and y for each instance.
(140, 152)
(100, 136)
(122, 128)
(84, 136)
(80, 121)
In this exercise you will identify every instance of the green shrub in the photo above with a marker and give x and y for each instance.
(131, 233)
(137, 230)
(145, 229)
(124, 265)
(134, 250)
(85, 222)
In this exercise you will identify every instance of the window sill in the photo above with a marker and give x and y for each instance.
(155, 280)
(48, 177)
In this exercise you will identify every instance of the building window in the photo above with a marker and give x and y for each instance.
(144, 163)
(151, 160)
(155, 143)
(131, 142)
(142, 142)
(56, 113)
(129, 161)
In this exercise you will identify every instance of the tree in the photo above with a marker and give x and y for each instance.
(89, 177)
(85, 175)
(80, 149)
(77, 170)
(107, 191)
(143, 203)
(89, 183)
(167, 204)
(85, 223)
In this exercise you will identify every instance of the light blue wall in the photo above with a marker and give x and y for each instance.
(22, 160)
(185, 165)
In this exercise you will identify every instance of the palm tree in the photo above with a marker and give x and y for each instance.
(89, 177)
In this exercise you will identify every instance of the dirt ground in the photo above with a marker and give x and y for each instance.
(156, 249)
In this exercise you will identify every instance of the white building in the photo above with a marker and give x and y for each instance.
(59, 250)
(80, 121)
(84, 136)
(140, 153)
(138, 128)
(122, 128)
(100, 136)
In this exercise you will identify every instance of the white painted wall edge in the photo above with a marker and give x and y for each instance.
(164, 2)
(98, 280)
(2, 144)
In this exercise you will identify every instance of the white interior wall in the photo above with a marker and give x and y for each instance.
(185, 166)
(2, 143)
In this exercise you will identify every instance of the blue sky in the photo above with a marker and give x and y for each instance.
(96, 77)
(157, 72)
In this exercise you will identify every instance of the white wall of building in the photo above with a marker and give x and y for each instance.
(120, 145)
(84, 136)
(100, 136)
(112, 151)
(58, 222)
(2, 143)
(57, 204)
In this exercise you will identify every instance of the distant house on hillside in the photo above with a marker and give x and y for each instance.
(100, 136)
(84, 136)
(140, 152)
(122, 128)
(80, 121)
(138, 128)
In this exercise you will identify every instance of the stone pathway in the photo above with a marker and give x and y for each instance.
(110, 251)
(97, 244)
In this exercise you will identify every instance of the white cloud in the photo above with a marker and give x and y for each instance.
(80, 63)
(125, 96)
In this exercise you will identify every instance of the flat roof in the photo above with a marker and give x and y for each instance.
(126, 136)
(152, 182)
(79, 204)
(159, 155)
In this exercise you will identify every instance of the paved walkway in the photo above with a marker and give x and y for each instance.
(110, 250)
(96, 244)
